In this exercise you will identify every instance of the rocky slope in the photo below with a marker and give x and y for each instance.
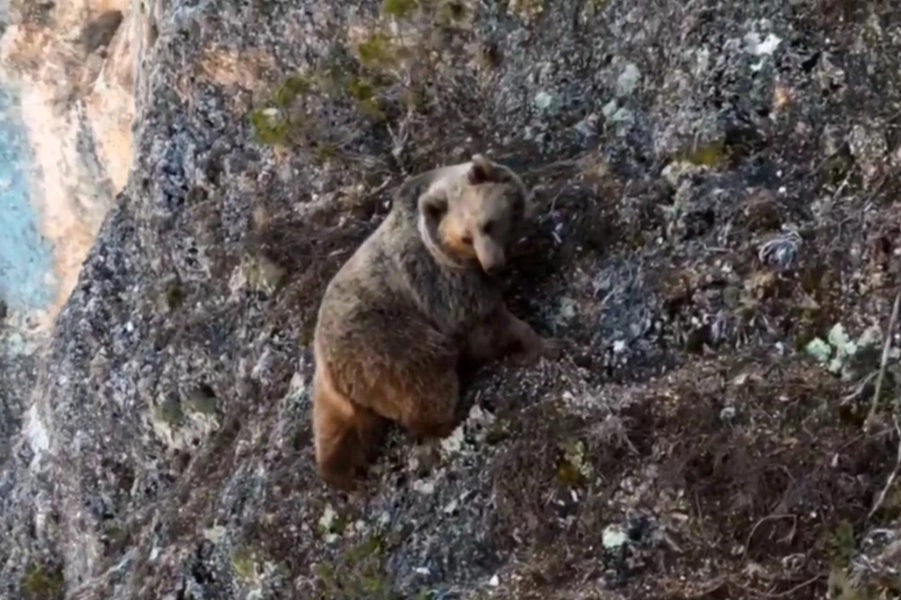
(717, 185)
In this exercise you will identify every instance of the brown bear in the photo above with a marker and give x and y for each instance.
(417, 296)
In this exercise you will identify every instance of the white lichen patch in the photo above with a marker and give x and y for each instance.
(628, 80)
(617, 114)
(253, 573)
(451, 507)
(567, 310)
(214, 534)
(23, 332)
(476, 424)
(677, 171)
(762, 48)
(424, 486)
(297, 386)
(819, 350)
(454, 442)
(256, 273)
(767, 46)
(36, 434)
(331, 526)
(181, 427)
(614, 537)
(328, 518)
(546, 102)
(463, 441)
(839, 348)
(574, 454)
(843, 345)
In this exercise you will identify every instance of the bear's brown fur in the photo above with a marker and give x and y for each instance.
(415, 298)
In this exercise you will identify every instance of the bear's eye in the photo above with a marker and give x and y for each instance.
(488, 228)
(467, 239)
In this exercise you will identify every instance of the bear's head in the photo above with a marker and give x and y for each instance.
(472, 219)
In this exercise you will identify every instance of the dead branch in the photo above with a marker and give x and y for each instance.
(885, 352)
(891, 478)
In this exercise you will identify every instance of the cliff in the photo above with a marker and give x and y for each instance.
(717, 246)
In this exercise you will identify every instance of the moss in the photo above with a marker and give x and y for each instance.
(332, 79)
(841, 544)
(114, 539)
(364, 92)
(262, 274)
(169, 411)
(399, 9)
(270, 126)
(361, 89)
(42, 582)
(841, 588)
(499, 431)
(378, 51)
(414, 99)
(359, 573)
(323, 153)
(292, 88)
(371, 108)
(244, 564)
(175, 296)
(837, 167)
(706, 155)
(573, 469)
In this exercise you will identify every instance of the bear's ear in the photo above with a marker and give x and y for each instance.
(433, 204)
(482, 170)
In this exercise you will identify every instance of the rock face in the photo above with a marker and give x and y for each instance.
(716, 185)
(76, 102)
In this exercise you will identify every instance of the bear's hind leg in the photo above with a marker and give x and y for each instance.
(371, 428)
(342, 435)
(404, 370)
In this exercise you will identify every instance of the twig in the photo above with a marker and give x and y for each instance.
(571, 162)
(563, 189)
(780, 516)
(719, 583)
(892, 476)
(885, 350)
(858, 390)
(769, 594)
